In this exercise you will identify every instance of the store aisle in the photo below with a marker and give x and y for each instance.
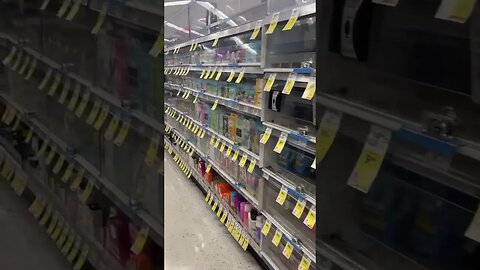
(194, 236)
(23, 243)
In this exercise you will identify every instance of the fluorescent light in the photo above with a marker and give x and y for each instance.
(216, 11)
(176, 3)
(243, 18)
(176, 27)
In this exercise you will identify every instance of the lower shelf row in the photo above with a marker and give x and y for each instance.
(247, 225)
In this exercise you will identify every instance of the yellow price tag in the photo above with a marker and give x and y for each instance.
(94, 112)
(32, 69)
(304, 263)
(58, 166)
(229, 151)
(68, 244)
(224, 216)
(289, 84)
(46, 215)
(51, 155)
(245, 244)
(299, 208)
(58, 229)
(68, 173)
(202, 74)
(217, 143)
(87, 191)
(207, 197)
(209, 167)
(63, 8)
(100, 19)
(74, 10)
(270, 81)
(370, 160)
(78, 180)
(37, 207)
(122, 134)
(9, 56)
(203, 134)
(277, 237)
(235, 156)
(55, 84)
(231, 76)
(18, 61)
(210, 200)
(243, 161)
(219, 74)
(63, 236)
(287, 250)
(45, 79)
(222, 148)
(112, 127)
(142, 237)
(207, 74)
(251, 167)
(266, 135)
(74, 251)
(281, 143)
(53, 223)
(24, 66)
(215, 204)
(282, 195)
(81, 259)
(29, 136)
(327, 132)
(256, 30)
(240, 76)
(455, 10)
(266, 227)
(311, 218)
(215, 42)
(102, 116)
(73, 101)
(83, 104)
(292, 20)
(152, 150)
(65, 91)
(309, 92)
(212, 74)
(273, 23)
(157, 47)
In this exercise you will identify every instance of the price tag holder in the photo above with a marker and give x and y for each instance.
(251, 167)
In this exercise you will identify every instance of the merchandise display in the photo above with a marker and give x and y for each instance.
(398, 145)
(81, 127)
(247, 139)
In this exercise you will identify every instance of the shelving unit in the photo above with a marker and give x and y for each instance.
(202, 105)
(78, 130)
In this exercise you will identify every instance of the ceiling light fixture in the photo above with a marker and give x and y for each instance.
(176, 3)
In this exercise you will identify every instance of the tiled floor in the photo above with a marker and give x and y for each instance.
(194, 238)
(23, 243)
